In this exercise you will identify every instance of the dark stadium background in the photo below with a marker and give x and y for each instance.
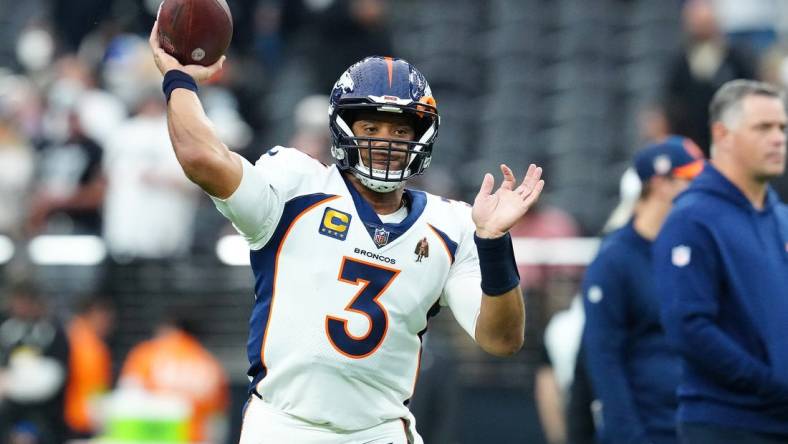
(575, 86)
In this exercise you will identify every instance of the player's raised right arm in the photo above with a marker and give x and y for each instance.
(203, 157)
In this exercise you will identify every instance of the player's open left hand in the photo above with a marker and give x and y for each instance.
(166, 62)
(495, 213)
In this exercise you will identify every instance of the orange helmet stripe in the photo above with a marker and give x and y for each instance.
(390, 64)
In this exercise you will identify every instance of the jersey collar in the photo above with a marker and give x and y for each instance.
(416, 201)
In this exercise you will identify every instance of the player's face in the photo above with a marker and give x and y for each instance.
(759, 139)
(666, 188)
(384, 126)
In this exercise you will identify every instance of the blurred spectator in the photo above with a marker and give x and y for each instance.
(653, 124)
(22, 104)
(581, 410)
(633, 370)
(150, 205)
(90, 365)
(751, 24)
(267, 38)
(562, 340)
(705, 62)
(553, 284)
(69, 189)
(174, 363)
(222, 108)
(35, 48)
(15, 16)
(311, 128)
(548, 289)
(581, 406)
(34, 357)
(549, 401)
(629, 188)
(70, 185)
(653, 127)
(16, 160)
(128, 70)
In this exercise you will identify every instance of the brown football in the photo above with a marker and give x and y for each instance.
(195, 31)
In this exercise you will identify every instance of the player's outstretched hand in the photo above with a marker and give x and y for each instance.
(495, 213)
(166, 62)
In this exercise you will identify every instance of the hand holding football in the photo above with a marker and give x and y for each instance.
(196, 32)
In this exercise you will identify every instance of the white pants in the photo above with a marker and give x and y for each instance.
(262, 424)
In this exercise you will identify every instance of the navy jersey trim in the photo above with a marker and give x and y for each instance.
(451, 246)
(263, 263)
(416, 200)
(432, 312)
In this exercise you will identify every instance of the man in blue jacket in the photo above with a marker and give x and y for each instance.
(633, 371)
(721, 264)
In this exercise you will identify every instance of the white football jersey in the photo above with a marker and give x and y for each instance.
(342, 299)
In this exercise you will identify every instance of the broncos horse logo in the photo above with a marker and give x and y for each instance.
(422, 250)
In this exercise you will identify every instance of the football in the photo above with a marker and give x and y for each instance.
(195, 31)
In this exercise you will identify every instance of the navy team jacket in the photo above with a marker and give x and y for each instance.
(721, 267)
(633, 370)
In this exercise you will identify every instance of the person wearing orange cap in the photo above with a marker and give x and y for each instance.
(633, 371)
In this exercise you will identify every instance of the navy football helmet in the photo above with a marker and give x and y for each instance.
(384, 85)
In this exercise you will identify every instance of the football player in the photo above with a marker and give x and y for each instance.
(341, 298)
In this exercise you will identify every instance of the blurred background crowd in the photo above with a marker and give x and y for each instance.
(575, 86)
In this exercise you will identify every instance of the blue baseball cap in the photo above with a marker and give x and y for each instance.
(674, 156)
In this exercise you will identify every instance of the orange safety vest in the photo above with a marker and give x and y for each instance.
(90, 373)
(177, 364)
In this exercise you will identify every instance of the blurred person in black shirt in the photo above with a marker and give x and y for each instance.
(33, 368)
(704, 63)
(70, 184)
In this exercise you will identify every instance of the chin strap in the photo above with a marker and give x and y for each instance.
(381, 186)
(378, 185)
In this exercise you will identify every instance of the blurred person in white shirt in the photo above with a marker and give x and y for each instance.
(149, 206)
(16, 158)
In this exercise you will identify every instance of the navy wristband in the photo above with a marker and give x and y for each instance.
(497, 264)
(174, 79)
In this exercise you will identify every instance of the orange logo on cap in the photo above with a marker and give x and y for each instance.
(689, 171)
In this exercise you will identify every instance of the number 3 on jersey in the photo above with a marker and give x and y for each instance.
(374, 280)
